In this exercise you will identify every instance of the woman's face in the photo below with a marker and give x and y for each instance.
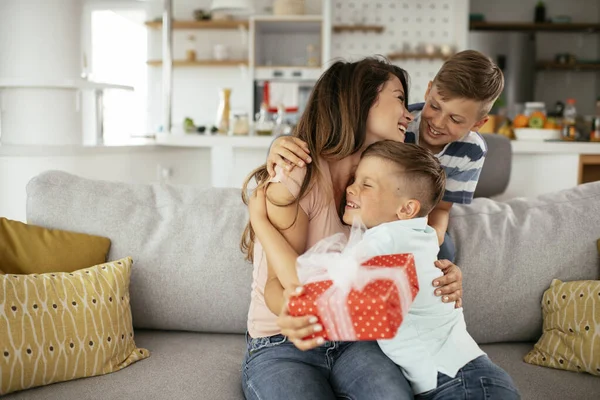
(388, 117)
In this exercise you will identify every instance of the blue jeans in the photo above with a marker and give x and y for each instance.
(274, 369)
(447, 249)
(479, 379)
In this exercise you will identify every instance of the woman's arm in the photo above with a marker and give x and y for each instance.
(282, 231)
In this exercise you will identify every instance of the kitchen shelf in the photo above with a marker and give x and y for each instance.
(210, 24)
(302, 67)
(289, 24)
(534, 27)
(358, 28)
(416, 56)
(201, 63)
(550, 65)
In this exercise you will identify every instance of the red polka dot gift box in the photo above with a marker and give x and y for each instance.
(370, 309)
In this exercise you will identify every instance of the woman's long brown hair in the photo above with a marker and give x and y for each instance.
(334, 122)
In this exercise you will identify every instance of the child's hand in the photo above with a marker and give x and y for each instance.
(297, 328)
(287, 152)
(257, 205)
(450, 285)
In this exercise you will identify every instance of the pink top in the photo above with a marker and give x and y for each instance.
(323, 221)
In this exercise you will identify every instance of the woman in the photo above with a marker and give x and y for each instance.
(351, 106)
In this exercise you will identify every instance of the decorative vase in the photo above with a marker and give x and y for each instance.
(223, 112)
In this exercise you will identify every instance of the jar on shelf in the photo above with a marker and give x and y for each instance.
(240, 123)
(535, 107)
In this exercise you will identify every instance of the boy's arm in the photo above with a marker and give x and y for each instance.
(438, 219)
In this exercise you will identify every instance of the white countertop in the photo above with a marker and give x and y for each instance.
(540, 147)
(164, 140)
(132, 144)
(198, 140)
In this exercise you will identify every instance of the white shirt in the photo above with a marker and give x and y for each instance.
(433, 336)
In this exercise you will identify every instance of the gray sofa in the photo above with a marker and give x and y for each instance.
(190, 285)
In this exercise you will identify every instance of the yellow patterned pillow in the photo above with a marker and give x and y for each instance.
(571, 328)
(60, 326)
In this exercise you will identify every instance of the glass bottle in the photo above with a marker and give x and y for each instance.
(595, 134)
(222, 122)
(569, 129)
(264, 125)
(190, 48)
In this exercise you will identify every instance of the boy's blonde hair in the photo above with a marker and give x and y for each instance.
(422, 174)
(470, 75)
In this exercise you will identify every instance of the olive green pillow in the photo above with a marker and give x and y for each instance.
(571, 328)
(30, 249)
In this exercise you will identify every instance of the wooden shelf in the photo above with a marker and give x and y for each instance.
(533, 27)
(301, 67)
(218, 24)
(551, 65)
(201, 63)
(357, 28)
(416, 56)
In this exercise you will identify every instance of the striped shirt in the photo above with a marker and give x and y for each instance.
(462, 160)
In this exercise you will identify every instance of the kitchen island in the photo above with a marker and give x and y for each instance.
(543, 167)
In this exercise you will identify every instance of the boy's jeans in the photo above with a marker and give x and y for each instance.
(447, 249)
(274, 369)
(479, 379)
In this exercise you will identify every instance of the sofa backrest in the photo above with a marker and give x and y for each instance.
(510, 252)
(189, 273)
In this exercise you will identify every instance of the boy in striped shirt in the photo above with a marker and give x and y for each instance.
(457, 103)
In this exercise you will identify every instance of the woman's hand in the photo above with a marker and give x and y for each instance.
(297, 328)
(450, 285)
(287, 152)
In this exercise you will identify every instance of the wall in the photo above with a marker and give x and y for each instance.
(550, 86)
(141, 165)
(407, 25)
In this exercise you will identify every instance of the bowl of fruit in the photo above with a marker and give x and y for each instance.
(537, 127)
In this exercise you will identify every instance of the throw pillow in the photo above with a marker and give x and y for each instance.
(29, 249)
(571, 327)
(60, 326)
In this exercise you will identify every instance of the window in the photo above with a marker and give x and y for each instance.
(117, 53)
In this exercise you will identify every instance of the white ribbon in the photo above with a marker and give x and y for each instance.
(340, 260)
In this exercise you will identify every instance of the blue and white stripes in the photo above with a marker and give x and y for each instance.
(462, 160)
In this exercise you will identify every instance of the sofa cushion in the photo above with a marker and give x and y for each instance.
(28, 249)
(183, 365)
(61, 326)
(510, 252)
(539, 383)
(207, 366)
(190, 273)
(571, 313)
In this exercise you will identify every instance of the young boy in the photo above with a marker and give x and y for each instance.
(456, 105)
(395, 187)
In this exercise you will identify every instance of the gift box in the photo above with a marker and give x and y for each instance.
(365, 302)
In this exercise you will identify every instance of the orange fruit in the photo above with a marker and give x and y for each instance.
(520, 121)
